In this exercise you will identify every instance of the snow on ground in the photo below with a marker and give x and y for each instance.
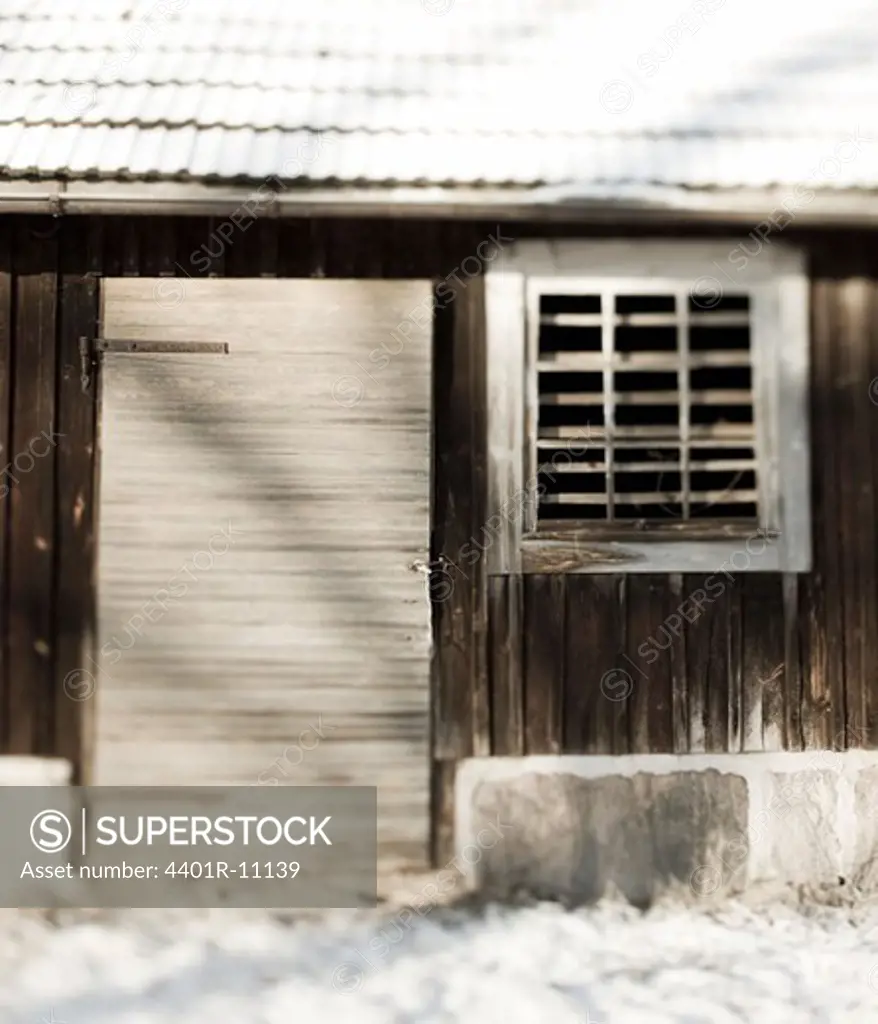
(499, 965)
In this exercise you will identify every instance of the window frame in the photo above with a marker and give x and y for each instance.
(776, 281)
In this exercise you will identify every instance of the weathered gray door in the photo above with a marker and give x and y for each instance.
(261, 512)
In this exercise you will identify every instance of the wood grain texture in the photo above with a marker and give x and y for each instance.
(157, 247)
(292, 514)
(544, 641)
(679, 680)
(114, 258)
(707, 657)
(505, 650)
(7, 341)
(442, 778)
(858, 550)
(821, 618)
(764, 662)
(654, 627)
(851, 454)
(459, 544)
(74, 625)
(793, 681)
(821, 595)
(597, 681)
(735, 669)
(870, 370)
(473, 326)
(31, 497)
(200, 249)
(299, 252)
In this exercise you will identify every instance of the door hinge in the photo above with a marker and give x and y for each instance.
(90, 350)
(144, 346)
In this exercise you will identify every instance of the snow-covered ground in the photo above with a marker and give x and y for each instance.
(526, 965)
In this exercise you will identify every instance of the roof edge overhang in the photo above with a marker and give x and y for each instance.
(779, 207)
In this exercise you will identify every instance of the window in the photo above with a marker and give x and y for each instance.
(664, 390)
(647, 407)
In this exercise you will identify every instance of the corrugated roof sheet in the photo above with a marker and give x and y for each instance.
(722, 93)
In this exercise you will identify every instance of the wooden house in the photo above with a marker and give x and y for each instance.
(367, 407)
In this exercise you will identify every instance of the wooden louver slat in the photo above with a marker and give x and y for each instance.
(644, 421)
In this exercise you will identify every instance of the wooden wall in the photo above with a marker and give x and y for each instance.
(773, 663)
(50, 270)
(582, 664)
(48, 300)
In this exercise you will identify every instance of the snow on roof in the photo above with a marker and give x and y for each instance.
(521, 93)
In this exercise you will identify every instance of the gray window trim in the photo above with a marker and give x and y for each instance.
(777, 282)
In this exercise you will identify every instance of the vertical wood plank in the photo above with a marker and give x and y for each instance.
(735, 738)
(132, 238)
(253, 247)
(544, 637)
(654, 626)
(342, 241)
(472, 316)
(870, 740)
(763, 661)
(866, 513)
(402, 248)
(220, 237)
(266, 235)
(707, 664)
(75, 602)
(442, 778)
(619, 691)
(317, 235)
(458, 559)
(427, 245)
(792, 676)
(505, 640)
(6, 346)
(823, 713)
(679, 680)
(857, 508)
(114, 246)
(695, 680)
(597, 681)
(31, 482)
(361, 248)
(753, 669)
(297, 253)
(199, 249)
(95, 249)
(372, 259)
(158, 247)
(645, 629)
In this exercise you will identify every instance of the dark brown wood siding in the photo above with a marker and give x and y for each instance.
(771, 662)
(50, 270)
(530, 664)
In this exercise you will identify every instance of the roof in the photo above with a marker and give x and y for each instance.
(565, 94)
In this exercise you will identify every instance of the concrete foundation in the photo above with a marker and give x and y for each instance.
(34, 771)
(642, 826)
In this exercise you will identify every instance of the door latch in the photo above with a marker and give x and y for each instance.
(87, 363)
(438, 581)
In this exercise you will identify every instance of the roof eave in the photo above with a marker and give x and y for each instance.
(653, 204)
